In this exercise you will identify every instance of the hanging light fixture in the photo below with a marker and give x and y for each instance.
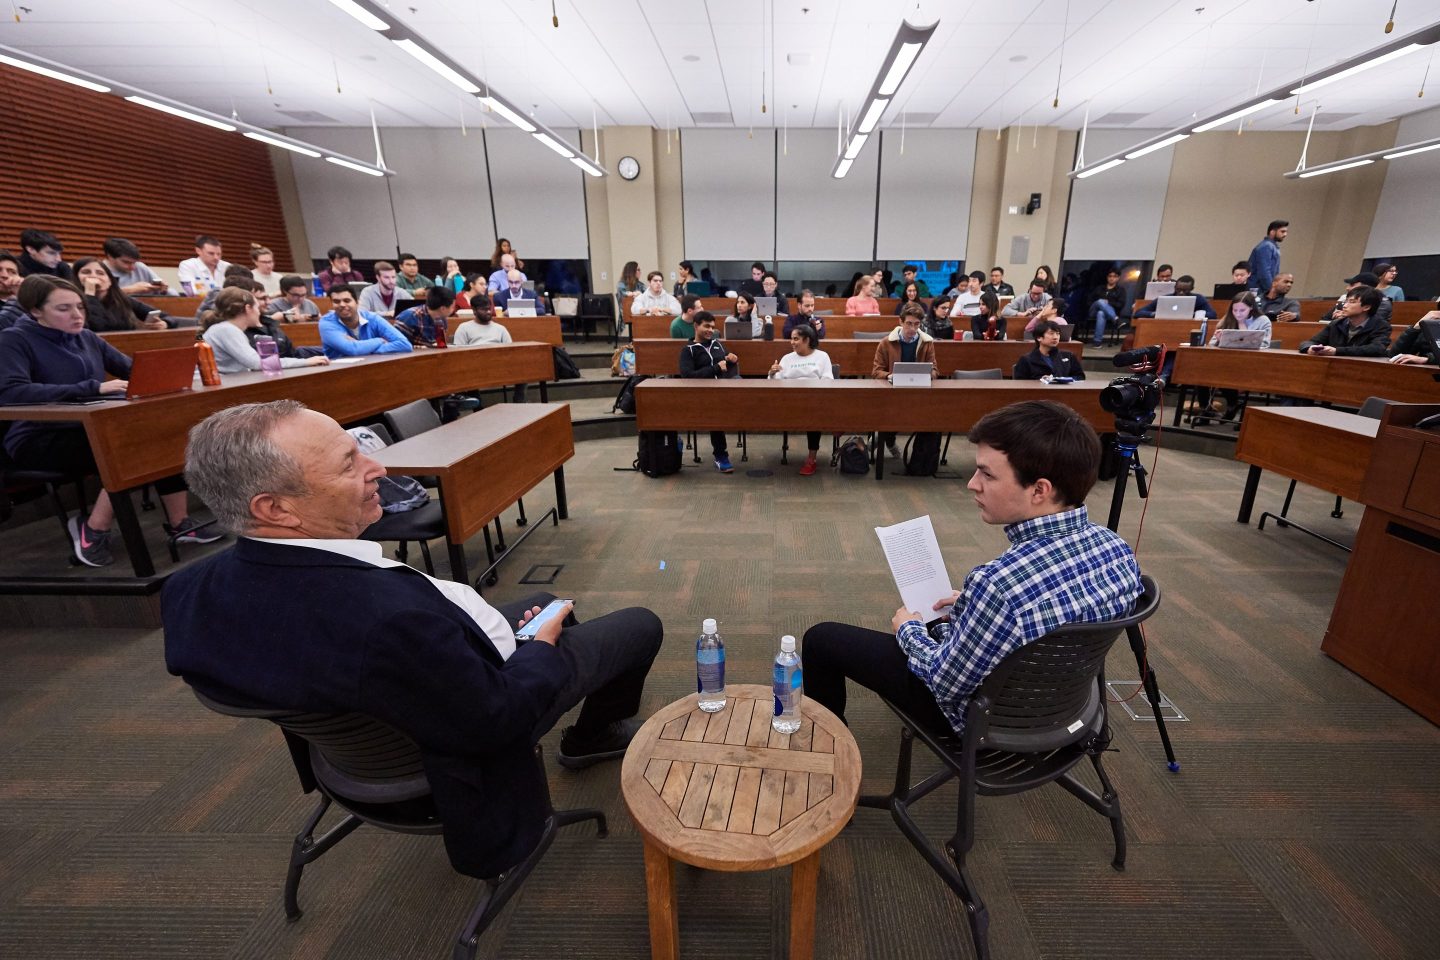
(904, 50)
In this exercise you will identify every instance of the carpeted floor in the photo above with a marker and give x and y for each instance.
(135, 824)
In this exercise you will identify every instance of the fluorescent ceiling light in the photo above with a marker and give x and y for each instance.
(1358, 68)
(1413, 150)
(436, 64)
(1136, 154)
(872, 115)
(842, 169)
(903, 61)
(283, 144)
(358, 168)
(182, 114)
(361, 14)
(502, 108)
(1343, 166)
(856, 143)
(558, 148)
(52, 74)
(1099, 168)
(585, 165)
(1236, 115)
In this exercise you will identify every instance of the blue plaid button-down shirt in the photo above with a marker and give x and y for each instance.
(1060, 568)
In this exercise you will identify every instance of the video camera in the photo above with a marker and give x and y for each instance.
(1134, 397)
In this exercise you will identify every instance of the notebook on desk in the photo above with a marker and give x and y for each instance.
(154, 373)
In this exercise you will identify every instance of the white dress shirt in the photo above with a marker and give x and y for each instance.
(484, 616)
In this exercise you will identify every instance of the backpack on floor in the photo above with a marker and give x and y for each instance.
(565, 368)
(398, 494)
(659, 454)
(622, 361)
(853, 457)
(922, 455)
(625, 399)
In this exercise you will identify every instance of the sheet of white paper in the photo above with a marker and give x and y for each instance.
(347, 359)
(916, 564)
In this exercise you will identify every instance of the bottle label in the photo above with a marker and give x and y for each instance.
(787, 682)
(710, 671)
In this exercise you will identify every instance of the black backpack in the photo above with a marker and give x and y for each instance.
(659, 454)
(853, 457)
(565, 368)
(922, 455)
(625, 399)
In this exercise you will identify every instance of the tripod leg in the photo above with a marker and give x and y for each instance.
(1122, 476)
(1152, 692)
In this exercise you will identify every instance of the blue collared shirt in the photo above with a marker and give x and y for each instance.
(1060, 569)
(374, 335)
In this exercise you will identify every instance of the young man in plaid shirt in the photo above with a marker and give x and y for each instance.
(1034, 464)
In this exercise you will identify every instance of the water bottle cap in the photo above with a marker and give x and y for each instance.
(708, 626)
(787, 644)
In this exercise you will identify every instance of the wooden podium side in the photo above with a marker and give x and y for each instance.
(1386, 632)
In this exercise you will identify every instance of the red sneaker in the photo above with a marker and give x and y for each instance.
(809, 466)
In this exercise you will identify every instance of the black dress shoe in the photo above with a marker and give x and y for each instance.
(581, 749)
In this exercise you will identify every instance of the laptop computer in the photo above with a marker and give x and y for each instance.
(1065, 329)
(1228, 291)
(1156, 289)
(402, 305)
(701, 288)
(1240, 339)
(529, 285)
(1175, 308)
(766, 306)
(520, 308)
(911, 374)
(154, 373)
(738, 330)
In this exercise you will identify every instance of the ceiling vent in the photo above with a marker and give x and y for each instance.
(308, 116)
(1121, 119)
(712, 118)
(913, 119)
(1323, 118)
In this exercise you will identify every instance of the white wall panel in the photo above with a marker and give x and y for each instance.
(343, 206)
(539, 196)
(442, 192)
(925, 194)
(1407, 221)
(819, 217)
(728, 182)
(1116, 215)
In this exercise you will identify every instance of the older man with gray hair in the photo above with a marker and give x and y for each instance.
(302, 614)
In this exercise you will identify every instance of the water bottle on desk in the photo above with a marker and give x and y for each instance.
(789, 688)
(269, 352)
(710, 668)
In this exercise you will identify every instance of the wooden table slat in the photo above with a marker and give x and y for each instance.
(718, 726)
(767, 806)
(655, 773)
(722, 797)
(697, 795)
(740, 717)
(747, 794)
(676, 783)
(796, 796)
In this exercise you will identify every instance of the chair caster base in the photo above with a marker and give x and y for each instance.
(491, 580)
(292, 917)
(522, 522)
(1173, 766)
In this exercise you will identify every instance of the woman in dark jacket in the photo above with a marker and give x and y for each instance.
(49, 357)
(109, 308)
(937, 319)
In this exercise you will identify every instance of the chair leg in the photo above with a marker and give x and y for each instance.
(63, 516)
(307, 849)
(945, 453)
(1339, 511)
(785, 448)
(425, 552)
(402, 552)
(521, 520)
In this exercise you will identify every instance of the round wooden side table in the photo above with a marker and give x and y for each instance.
(724, 791)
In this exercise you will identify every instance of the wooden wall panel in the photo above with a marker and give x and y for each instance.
(87, 166)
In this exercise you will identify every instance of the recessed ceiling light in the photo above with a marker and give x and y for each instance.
(691, 58)
(366, 56)
(1019, 58)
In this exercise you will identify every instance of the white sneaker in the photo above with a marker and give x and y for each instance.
(893, 450)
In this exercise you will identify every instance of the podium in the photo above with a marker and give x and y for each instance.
(1386, 628)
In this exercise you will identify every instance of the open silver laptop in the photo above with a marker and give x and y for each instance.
(766, 306)
(911, 374)
(1240, 339)
(1156, 289)
(520, 308)
(1175, 308)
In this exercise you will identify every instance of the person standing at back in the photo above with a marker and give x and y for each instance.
(1264, 262)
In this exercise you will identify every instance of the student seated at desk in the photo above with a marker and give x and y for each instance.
(989, 322)
(705, 358)
(107, 307)
(419, 324)
(270, 321)
(1047, 359)
(653, 301)
(293, 305)
(1184, 287)
(1030, 305)
(483, 328)
(1242, 314)
(770, 287)
(804, 362)
(236, 313)
(909, 293)
(347, 331)
(907, 343)
(937, 319)
(683, 326)
(863, 303)
(516, 291)
(1359, 330)
(1412, 346)
(761, 328)
(49, 357)
(805, 314)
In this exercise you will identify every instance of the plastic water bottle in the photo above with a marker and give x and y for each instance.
(1204, 331)
(710, 668)
(789, 688)
(269, 352)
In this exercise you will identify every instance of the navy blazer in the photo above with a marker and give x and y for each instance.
(295, 628)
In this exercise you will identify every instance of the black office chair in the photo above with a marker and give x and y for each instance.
(600, 306)
(1038, 714)
(375, 775)
(52, 480)
(994, 373)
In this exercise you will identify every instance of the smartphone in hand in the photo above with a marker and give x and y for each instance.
(553, 609)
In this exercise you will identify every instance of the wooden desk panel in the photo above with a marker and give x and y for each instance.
(302, 334)
(837, 326)
(487, 460)
(1343, 380)
(190, 306)
(1317, 446)
(130, 342)
(1403, 313)
(538, 329)
(846, 405)
(855, 357)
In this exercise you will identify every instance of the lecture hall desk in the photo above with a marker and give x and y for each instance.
(837, 327)
(1324, 448)
(1175, 333)
(1348, 381)
(855, 357)
(848, 406)
(136, 442)
(307, 334)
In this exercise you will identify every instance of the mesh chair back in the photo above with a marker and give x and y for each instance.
(1374, 407)
(381, 431)
(871, 334)
(412, 419)
(1044, 695)
(355, 757)
(995, 374)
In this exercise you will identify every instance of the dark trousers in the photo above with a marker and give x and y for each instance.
(718, 444)
(66, 450)
(609, 658)
(833, 652)
(812, 440)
